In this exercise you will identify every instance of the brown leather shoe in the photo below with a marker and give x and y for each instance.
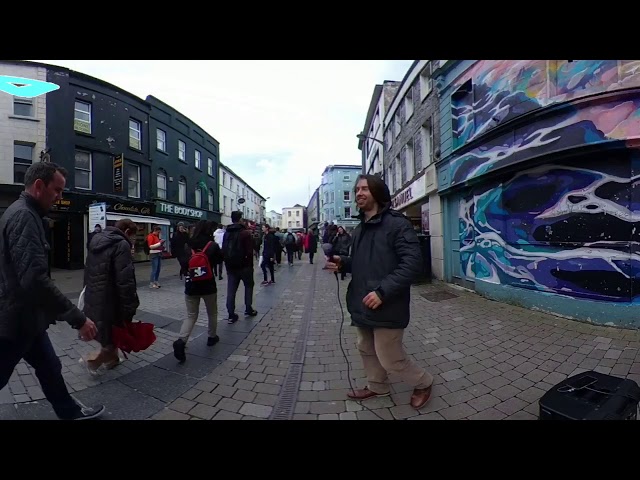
(420, 397)
(364, 394)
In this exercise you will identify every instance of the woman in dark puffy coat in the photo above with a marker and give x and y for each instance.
(341, 243)
(110, 296)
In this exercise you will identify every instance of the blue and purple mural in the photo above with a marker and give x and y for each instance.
(570, 229)
(569, 226)
(494, 92)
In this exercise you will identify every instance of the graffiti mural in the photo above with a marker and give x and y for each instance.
(570, 229)
(493, 92)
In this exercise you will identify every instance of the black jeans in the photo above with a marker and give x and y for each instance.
(279, 255)
(217, 270)
(267, 265)
(311, 257)
(290, 254)
(39, 353)
(233, 282)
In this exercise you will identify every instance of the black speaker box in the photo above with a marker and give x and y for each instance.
(591, 396)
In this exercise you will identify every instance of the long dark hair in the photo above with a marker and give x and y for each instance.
(379, 190)
(202, 228)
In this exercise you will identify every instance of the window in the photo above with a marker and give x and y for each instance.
(397, 127)
(224, 179)
(23, 106)
(408, 104)
(290, 223)
(408, 161)
(182, 151)
(347, 212)
(198, 197)
(297, 213)
(182, 190)
(135, 134)
(161, 140)
(427, 142)
(289, 213)
(224, 204)
(346, 196)
(426, 82)
(346, 178)
(210, 166)
(297, 224)
(82, 117)
(161, 184)
(332, 197)
(83, 170)
(230, 183)
(22, 160)
(210, 199)
(196, 155)
(134, 181)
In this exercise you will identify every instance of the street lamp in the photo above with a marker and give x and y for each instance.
(362, 136)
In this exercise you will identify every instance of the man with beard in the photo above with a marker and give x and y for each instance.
(378, 295)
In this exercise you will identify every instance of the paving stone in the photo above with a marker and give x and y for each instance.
(488, 414)
(457, 412)
(203, 411)
(167, 414)
(226, 415)
(531, 394)
(229, 405)
(455, 398)
(182, 405)
(255, 410)
(511, 406)
(453, 375)
(505, 392)
(522, 415)
(348, 416)
(319, 408)
(496, 382)
(483, 402)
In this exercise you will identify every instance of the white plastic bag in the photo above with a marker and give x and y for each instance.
(81, 299)
(260, 261)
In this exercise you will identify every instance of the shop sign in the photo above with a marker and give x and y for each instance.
(124, 208)
(411, 194)
(179, 210)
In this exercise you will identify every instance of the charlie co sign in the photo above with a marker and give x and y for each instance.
(412, 193)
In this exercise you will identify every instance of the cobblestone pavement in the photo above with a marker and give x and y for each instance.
(489, 360)
(166, 309)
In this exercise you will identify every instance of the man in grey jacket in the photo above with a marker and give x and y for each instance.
(384, 261)
(29, 301)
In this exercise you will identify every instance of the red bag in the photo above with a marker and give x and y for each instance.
(199, 267)
(133, 337)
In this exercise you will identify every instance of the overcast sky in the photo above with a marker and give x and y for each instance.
(279, 123)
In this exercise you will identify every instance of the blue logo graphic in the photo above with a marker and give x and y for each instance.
(25, 87)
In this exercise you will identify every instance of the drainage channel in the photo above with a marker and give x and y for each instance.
(286, 404)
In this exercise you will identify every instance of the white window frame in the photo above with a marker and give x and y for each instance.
(182, 191)
(161, 174)
(182, 152)
(408, 158)
(345, 212)
(346, 178)
(161, 140)
(211, 197)
(198, 197)
(130, 168)
(90, 170)
(397, 125)
(197, 157)
(408, 104)
(23, 161)
(78, 122)
(427, 142)
(24, 101)
(132, 134)
(426, 82)
(210, 166)
(224, 204)
(346, 195)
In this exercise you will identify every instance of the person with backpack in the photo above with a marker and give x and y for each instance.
(178, 241)
(270, 244)
(237, 250)
(200, 284)
(290, 245)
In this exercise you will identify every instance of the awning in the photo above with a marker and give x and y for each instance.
(139, 219)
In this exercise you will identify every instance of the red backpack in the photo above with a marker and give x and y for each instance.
(199, 266)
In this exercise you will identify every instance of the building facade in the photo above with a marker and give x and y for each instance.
(294, 218)
(313, 209)
(274, 219)
(411, 124)
(185, 162)
(539, 164)
(371, 145)
(337, 198)
(236, 194)
(100, 134)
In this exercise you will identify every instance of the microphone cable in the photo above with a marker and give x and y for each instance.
(344, 354)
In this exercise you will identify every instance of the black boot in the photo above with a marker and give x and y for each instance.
(179, 350)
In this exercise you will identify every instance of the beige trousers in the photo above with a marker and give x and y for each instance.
(193, 308)
(382, 353)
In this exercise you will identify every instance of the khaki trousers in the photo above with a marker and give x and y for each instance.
(382, 353)
(193, 308)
